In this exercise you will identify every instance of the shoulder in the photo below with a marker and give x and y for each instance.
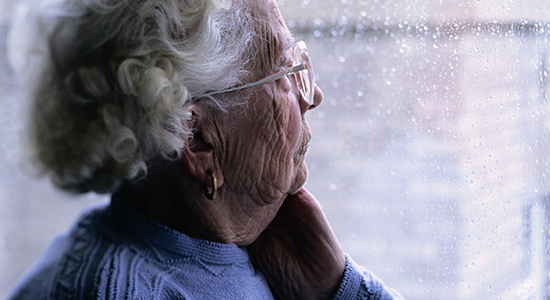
(37, 281)
(79, 263)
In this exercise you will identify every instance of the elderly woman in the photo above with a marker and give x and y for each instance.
(191, 113)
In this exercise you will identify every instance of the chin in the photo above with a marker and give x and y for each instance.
(300, 178)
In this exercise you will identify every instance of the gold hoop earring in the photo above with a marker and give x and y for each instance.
(214, 181)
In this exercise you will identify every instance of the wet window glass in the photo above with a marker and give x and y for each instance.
(430, 152)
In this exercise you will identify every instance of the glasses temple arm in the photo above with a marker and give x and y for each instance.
(275, 76)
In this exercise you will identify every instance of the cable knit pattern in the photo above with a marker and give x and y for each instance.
(360, 284)
(114, 253)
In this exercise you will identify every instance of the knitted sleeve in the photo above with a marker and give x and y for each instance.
(360, 284)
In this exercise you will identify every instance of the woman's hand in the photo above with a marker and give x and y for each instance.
(298, 253)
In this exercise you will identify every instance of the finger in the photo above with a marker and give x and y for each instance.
(302, 204)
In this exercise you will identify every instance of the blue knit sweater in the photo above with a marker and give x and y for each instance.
(114, 253)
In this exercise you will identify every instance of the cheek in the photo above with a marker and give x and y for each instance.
(288, 137)
(295, 127)
(262, 157)
(293, 117)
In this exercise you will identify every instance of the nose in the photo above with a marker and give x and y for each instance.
(317, 99)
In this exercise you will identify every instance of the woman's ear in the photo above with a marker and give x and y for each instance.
(199, 155)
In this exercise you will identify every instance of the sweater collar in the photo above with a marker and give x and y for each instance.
(169, 244)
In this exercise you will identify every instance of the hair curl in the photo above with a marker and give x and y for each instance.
(111, 82)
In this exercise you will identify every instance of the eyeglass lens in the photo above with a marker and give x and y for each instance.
(304, 77)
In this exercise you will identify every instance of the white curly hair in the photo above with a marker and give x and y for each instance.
(111, 82)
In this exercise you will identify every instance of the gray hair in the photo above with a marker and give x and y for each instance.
(111, 82)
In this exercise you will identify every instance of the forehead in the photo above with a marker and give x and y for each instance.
(273, 38)
(281, 33)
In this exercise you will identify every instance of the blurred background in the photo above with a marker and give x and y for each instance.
(430, 152)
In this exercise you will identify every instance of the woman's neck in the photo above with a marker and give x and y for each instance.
(172, 197)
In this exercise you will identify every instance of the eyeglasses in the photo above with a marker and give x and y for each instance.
(302, 72)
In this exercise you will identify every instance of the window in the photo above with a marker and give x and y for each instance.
(536, 249)
(432, 141)
(430, 153)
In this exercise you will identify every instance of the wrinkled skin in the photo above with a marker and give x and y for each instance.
(298, 252)
(256, 151)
